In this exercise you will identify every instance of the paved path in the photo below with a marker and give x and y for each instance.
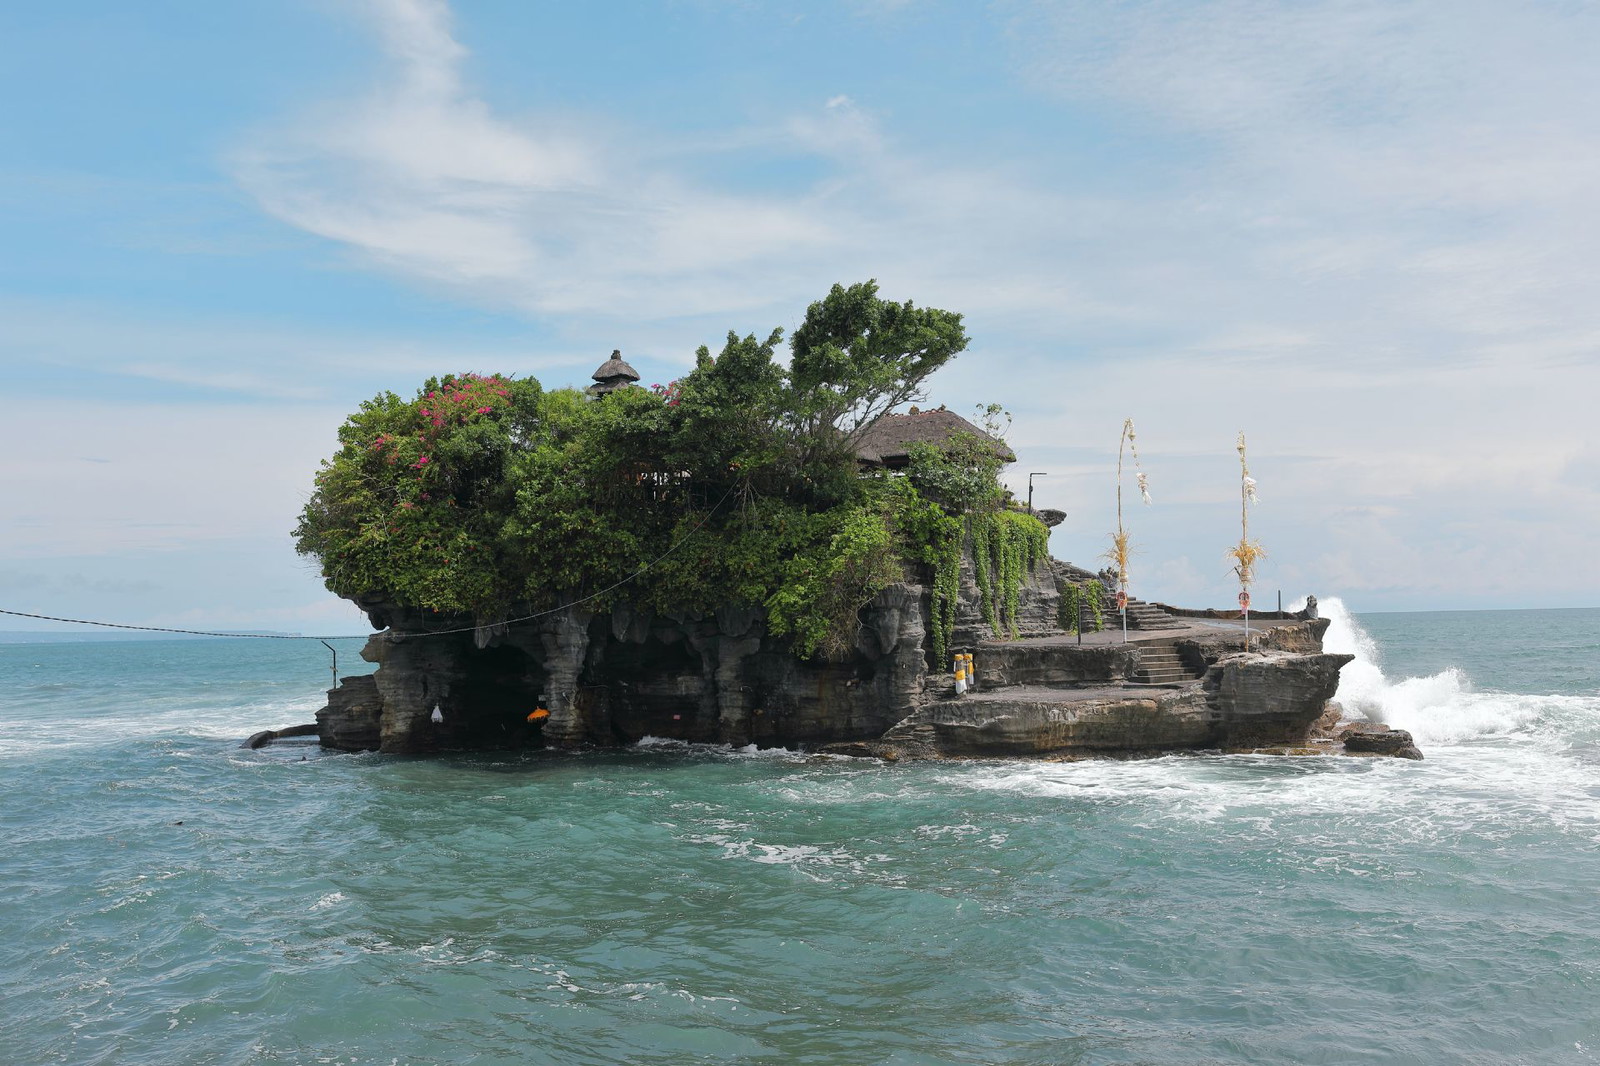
(1191, 627)
(1075, 693)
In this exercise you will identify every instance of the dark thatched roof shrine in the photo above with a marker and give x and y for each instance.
(888, 441)
(613, 374)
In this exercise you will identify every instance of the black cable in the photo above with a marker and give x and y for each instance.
(427, 633)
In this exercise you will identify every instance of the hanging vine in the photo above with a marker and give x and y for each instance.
(1075, 599)
(1095, 595)
(934, 539)
(1006, 546)
(946, 590)
(1071, 609)
(983, 567)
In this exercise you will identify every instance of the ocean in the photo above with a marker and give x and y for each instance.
(171, 898)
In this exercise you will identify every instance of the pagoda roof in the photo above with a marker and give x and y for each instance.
(888, 441)
(614, 368)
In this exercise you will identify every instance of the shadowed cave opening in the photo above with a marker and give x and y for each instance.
(490, 706)
(655, 689)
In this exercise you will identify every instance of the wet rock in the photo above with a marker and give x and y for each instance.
(1032, 722)
(875, 749)
(1247, 701)
(1001, 665)
(1326, 727)
(351, 720)
(1395, 742)
(1301, 638)
(1272, 698)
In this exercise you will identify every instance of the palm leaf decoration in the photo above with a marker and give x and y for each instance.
(1247, 553)
(1121, 542)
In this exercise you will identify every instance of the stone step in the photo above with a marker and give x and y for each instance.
(1141, 615)
(1160, 665)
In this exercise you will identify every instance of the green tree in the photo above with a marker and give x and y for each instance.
(413, 503)
(736, 485)
(856, 357)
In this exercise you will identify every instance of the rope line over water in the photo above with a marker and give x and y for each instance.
(681, 541)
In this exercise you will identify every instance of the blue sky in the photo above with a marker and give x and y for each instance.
(1363, 233)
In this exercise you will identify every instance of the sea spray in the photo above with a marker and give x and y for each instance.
(1439, 708)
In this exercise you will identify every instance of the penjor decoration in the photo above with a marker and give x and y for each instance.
(1247, 552)
(1120, 541)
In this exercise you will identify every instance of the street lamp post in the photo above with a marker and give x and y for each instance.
(1031, 476)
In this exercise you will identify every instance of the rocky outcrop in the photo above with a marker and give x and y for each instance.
(1036, 721)
(1053, 663)
(1274, 697)
(616, 677)
(1200, 653)
(353, 718)
(1395, 742)
(1245, 701)
(1038, 607)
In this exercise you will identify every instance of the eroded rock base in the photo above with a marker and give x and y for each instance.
(578, 678)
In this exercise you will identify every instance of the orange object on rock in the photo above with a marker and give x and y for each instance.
(539, 715)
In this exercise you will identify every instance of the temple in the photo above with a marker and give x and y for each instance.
(612, 375)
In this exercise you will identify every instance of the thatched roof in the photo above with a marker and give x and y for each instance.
(614, 373)
(887, 442)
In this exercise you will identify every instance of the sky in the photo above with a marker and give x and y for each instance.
(1366, 235)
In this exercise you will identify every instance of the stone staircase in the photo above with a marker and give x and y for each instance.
(1143, 615)
(1159, 665)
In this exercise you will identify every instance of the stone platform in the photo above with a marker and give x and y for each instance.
(1192, 686)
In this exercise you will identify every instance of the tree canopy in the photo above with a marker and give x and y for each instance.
(485, 496)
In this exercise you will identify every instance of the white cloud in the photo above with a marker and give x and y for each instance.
(564, 215)
(422, 178)
(254, 359)
(1363, 232)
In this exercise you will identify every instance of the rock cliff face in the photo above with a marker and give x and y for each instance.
(1057, 698)
(615, 677)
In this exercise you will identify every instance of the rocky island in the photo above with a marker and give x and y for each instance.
(757, 554)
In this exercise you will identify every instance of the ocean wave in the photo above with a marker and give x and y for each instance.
(53, 729)
(746, 751)
(1445, 708)
(814, 861)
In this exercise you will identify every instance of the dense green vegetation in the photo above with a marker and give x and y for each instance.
(1077, 601)
(488, 496)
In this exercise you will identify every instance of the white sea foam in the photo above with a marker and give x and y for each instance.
(178, 720)
(1441, 708)
(747, 751)
(1494, 761)
(332, 899)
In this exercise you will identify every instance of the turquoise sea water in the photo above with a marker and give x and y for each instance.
(170, 898)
